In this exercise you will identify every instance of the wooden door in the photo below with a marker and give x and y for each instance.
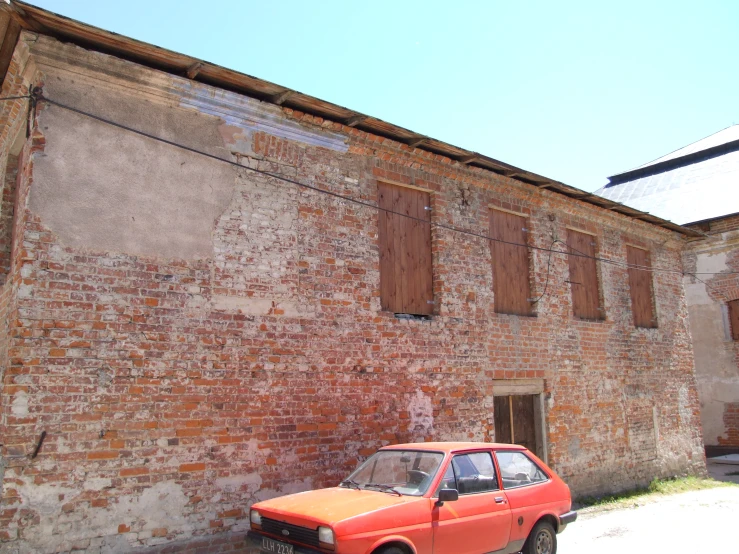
(515, 420)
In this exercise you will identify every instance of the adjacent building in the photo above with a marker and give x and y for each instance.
(218, 290)
(697, 186)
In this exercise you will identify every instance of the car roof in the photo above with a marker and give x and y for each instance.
(452, 446)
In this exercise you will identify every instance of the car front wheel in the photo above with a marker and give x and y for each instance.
(391, 550)
(542, 540)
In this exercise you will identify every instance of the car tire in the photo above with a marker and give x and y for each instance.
(541, 540)
(391, 550)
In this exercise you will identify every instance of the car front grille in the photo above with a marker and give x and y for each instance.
(295, 532)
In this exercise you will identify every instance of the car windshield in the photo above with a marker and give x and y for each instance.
(407, 472)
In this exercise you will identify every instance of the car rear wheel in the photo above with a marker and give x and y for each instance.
(542, 540)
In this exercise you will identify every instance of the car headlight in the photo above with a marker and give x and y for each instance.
(256, 519)
(326, 538)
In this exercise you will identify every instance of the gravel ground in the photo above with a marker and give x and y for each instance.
(686, 523)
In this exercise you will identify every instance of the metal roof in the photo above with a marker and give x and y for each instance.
(31, 18)
(694, 183)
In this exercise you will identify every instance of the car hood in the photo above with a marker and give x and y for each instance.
(341, 507)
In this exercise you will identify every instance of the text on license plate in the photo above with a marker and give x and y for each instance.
(269, 545)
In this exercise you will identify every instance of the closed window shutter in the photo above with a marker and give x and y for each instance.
(511, 285)
(583, 275)
(406, 279)
(640, 286)
(734, 318)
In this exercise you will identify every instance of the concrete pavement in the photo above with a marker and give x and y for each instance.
(687, 523)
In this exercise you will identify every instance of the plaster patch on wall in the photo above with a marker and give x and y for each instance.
(421, 412)
(100, 189)
(289, 488)
(683, 406)
(245, 305)
(711, 262)
(19, 406)
(257, 306)
(696, 293)
(58, 528)
(97, 484)
(298, 486)
(250, 482)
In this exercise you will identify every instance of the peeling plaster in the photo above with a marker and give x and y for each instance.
(711, 263)
(58, 528)
(683, 406)
(713, 348)
(243, 115)
(19, 406)
(421, 411)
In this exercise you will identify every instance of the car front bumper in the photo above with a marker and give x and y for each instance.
(254, 544)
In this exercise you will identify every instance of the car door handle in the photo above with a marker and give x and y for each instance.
(500, 500)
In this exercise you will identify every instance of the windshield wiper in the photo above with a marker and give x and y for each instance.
(350, 483)
(383, 488)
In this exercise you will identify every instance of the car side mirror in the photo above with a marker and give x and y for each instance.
(447, 495)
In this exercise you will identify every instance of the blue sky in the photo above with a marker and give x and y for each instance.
(573, 90)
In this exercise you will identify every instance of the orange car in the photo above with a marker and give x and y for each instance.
(440, 498)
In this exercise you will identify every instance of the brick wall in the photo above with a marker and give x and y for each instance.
(715, 259)
(731, 424)
(177, 391)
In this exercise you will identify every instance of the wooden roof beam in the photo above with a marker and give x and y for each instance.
(281, 97)
(468, 159)
(194, 69)
(416, 141)
(355, 120)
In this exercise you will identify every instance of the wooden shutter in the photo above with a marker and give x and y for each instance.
(511, 286)
(640, 285)
(583, 275)
(406, 284)
(734, 318)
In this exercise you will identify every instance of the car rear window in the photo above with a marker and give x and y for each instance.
(518, 470)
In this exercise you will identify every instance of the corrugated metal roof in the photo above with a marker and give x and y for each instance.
(45, 22)
(729, 134)
(693, 192)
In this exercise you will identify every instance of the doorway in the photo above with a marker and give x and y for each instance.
(519, 414)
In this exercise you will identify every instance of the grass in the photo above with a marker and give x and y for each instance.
(658, 487)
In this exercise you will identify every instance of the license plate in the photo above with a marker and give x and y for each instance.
(270, 545)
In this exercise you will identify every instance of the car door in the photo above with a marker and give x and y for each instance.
(526, 486)
(480, 520)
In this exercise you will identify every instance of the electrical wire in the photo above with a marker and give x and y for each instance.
(549, 267)
(356, 201)
(15, 97)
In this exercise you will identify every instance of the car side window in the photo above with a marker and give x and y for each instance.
(518, 470)
(473, 473)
